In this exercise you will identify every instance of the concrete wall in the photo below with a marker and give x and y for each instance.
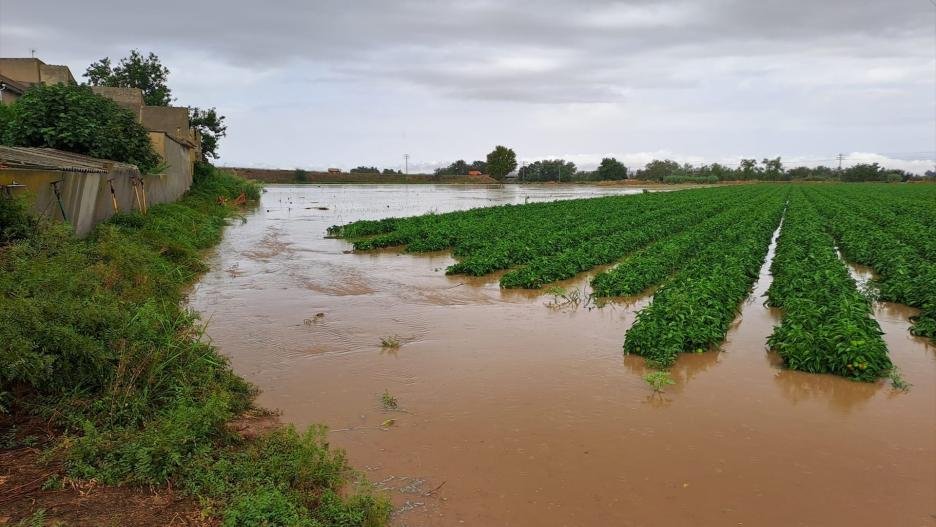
(169, 119)
(32, 70)
(128, 98)
(86, 197)
(20, 69)
(177, 178)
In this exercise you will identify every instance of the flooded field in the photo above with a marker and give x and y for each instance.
(513, 412)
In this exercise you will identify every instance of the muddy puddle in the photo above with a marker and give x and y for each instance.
(513, 412)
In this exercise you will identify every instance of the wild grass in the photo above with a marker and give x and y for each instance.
(388, 401)
(391, 342)
(94, 340)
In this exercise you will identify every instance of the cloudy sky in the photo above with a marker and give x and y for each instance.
(323, 83)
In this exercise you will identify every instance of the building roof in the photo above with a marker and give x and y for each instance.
(12, 85)
(52, 159)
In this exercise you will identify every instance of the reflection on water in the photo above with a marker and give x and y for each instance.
(530, 415)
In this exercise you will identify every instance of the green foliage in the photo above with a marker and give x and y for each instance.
(657, 169)
(208, 124)
(827, 324)
(300, 176)
(391, 342)
(611, 169)
(15, 220)
(548, 170)
(74, 119)
(98, 342)
(284, 478)
(897, 380)
(365, 170)
(500, 162)
(659, 380)
(693, 311)
(388, 401)
(135, 71)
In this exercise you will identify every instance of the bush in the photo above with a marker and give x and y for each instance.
(74, 119)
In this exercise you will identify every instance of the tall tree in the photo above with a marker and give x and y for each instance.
(210, 125)
(501, 161)
(611, 169)
(136, 71)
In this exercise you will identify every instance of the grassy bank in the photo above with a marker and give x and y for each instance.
(95, 341)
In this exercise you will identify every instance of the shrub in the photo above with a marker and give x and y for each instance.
(74, 119)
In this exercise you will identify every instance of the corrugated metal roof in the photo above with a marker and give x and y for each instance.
(52, 159)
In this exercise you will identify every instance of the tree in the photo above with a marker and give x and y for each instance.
(73, 118)
(480, 166)
(864, 172)
(748, 169)
(773, 169)
(548, 170)
(209, 124)
(458, 168)
(611, 169)
(146, 73)
(656, 170)
(391, 172)
(501, 161)
(365, 170)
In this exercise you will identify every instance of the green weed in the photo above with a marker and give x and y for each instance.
(392, 342)
(897, 380)
(388, 401)
(659, 380)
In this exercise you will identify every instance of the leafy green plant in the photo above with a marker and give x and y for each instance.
(388, 401)
(74, 119)
(659, 380)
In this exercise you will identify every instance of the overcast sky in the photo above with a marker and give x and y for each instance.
(320, 83)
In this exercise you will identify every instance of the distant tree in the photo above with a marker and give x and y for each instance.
(458, 168)
(365, 170)
(748, 169)
(391, 172)
(656, 170)
(548, 170)
(501, 161)
(611, 169)
(480, 166)
(863, 172)
(136, 71)
(209, 124)
(773, 169)
(300, 176)
(73, 118)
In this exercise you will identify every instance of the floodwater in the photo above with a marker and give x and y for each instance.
(515, 412)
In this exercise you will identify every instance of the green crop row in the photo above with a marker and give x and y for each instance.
(656, 262)
(568, 263)
(693, 311)
(827, 324)
(905, 274)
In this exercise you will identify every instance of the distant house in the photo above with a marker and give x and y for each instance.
(334, 170)
(474, 173)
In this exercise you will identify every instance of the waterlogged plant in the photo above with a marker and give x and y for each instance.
(897, 380)
(388, 401)
(827, 324)
(391, 342)
(658, 380)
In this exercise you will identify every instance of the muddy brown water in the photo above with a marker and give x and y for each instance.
(513, 412)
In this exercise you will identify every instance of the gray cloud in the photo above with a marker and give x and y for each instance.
(709, 76)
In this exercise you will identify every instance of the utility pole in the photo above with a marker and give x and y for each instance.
(32, 53)
(840, 157)
(406, 163)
